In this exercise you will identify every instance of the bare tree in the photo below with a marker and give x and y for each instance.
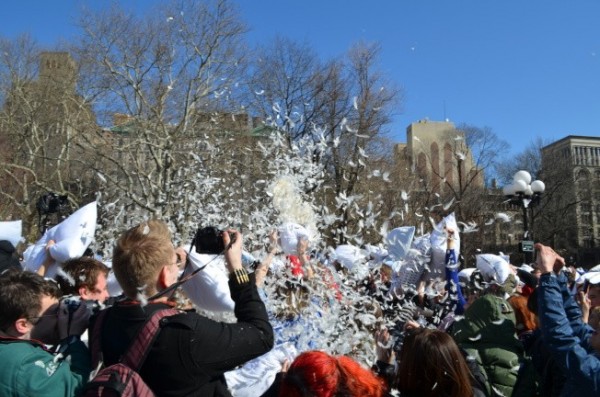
(41, 119)
(287, 86)
(164, 75)
(528, 159)
(356, 139)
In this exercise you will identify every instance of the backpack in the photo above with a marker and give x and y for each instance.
(122, 378)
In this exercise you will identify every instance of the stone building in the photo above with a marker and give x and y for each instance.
(437, 151)
(571, 169)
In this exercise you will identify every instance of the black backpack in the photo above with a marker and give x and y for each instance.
(122, 378)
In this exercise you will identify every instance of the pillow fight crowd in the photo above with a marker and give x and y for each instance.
(491, 330)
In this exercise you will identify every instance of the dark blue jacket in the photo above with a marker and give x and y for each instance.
(567, 337)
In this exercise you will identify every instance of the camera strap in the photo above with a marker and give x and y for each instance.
(183, 278)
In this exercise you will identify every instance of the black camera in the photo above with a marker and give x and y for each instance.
(51, 203)
(209, 240)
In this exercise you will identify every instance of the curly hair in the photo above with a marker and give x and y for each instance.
(316, 373)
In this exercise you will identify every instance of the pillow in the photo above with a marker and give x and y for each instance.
(399, 241)
(349, 256)
(289, 234)
(439, 236)
(209, 288)
(493, 268)
(72, 236)
(11, 231)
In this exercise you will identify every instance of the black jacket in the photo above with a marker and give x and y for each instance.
(7, 257)
(191, 352)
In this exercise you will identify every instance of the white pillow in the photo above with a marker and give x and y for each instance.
(289, 234)
(72, 236)
(11, 231)
(493, 268)
(377, 254)
(112, 284)
(349, 256)
(257, 375)
(399, 241)
(209, 288)
(439, 237)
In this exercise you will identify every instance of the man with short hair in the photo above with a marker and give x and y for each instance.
(191, 352)
(29, 303)
(85, 277)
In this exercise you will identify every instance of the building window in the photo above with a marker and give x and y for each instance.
(585, 207)
(435, 166)
(586, 219)
(448, 164)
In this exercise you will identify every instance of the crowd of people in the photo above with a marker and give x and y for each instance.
(491, 330)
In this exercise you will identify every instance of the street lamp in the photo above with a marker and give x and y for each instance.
(525, 194)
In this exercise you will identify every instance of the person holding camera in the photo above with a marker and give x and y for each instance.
(191, 352)
(574, 345)
(31, 315)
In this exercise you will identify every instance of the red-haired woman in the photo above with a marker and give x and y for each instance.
(315, 373)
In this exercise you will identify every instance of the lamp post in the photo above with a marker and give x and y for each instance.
(525, 194)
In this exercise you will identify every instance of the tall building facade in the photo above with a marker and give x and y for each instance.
(439, 154)
(572, 172)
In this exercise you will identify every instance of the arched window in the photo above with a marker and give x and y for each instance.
(435, 167)
(583, 181)
(448, 164)
(422, 165)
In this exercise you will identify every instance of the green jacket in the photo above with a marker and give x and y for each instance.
(487, 333)
(30, 370)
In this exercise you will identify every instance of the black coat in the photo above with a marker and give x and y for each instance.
(7, 256)
(191, 352)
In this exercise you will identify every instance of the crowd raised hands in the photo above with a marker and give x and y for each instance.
(476, 333)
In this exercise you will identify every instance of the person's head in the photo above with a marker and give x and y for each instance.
(315, 373)
(431, 364)
(594, 295)
(85, 277)
(594, 319)
(385, 273)
(26, 298)
(144, 259)
(526, 320)
(595, 340)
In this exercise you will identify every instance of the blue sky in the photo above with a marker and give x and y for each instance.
(523, 68)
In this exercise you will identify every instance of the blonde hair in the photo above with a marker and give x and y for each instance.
(139, 255)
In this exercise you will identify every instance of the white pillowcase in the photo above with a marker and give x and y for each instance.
(11, 231)
(72, 237)
(399, 241)
(209, 288)
(289, 234)
(493, 268)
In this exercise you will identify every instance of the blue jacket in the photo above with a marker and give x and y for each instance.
(567, 337)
